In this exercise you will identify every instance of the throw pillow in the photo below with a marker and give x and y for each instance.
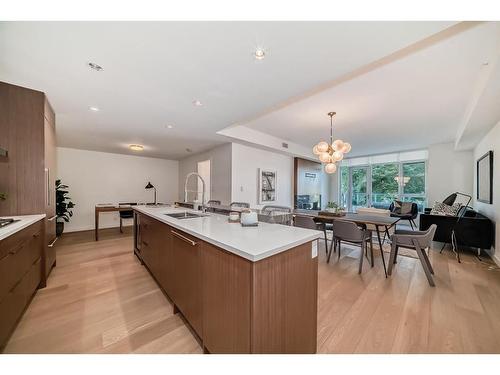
(445, 210)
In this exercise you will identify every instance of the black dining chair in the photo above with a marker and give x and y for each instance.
(126, 214)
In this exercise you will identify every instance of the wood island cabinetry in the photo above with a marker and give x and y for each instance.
(233, 304)
(21, 272)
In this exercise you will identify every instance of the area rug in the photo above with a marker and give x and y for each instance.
(386, 247)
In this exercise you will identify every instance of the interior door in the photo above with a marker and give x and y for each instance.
(359, 187)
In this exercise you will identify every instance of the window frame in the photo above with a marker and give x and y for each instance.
(400, 195)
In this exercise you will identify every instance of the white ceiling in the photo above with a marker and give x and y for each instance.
(154, 70)
(409, 102)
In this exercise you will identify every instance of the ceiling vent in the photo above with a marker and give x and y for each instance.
(284, 145)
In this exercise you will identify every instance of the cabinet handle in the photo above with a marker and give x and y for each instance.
(52, 218)
(53, 242)
(145, 243)
(36, 235)
(184, 238)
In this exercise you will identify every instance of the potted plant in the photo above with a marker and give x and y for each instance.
(334, 208)
(63, 207)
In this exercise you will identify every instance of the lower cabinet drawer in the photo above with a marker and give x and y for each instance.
(18, 261)
(13, 304)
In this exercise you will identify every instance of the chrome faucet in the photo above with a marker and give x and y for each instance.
(186, 191)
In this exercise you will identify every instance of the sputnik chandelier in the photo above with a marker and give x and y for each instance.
(332, 152)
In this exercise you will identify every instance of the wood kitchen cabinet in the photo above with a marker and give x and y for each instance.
(21, 272)
(147, 243)
(184, 277)
(50, 159)
(233, 304)
(27, 128)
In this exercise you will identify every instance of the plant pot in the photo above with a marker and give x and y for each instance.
(59, 228)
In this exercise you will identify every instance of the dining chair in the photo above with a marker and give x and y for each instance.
(128, 214)
(308, 222)
(271, 208)
(213, 202)
(239, 204)
(420, 241)
(278, 214)
(350, 232)
(405, 211)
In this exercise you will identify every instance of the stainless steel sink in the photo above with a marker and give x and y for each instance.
(185, 215)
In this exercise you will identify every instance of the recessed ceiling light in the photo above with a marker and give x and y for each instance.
(259, 54)
(95, 67)
(136, 147)
(485, 63)
(170, 126)
(197, 103)
(94, 109)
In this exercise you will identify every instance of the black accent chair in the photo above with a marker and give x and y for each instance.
(128, 214)
(472, 229)
(410, 216)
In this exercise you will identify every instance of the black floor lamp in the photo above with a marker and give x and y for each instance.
(454, 243)
(150, 186)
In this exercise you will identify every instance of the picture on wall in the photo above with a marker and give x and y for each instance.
(485, 178)
(267, 186)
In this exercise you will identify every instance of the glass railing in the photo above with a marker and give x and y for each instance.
(381, 200)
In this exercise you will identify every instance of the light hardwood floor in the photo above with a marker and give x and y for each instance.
(99, 299)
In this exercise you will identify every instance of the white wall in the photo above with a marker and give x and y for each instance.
(490, 142)
(448, 171)
(99, 177)
(246, 162)
(220, 179)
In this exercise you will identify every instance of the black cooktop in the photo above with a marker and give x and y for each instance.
(5, 222)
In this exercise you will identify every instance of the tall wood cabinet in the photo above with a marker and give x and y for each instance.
(28, 173)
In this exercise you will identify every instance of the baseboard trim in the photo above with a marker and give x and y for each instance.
(494, 256)
(84, 229)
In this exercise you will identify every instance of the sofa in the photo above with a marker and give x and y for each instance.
(473, 229)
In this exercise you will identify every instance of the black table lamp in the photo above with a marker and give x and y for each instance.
(150, 186)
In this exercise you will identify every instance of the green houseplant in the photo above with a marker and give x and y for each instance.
(63, 207)
(334, 208)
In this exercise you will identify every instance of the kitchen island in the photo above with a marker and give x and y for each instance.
(241, 289)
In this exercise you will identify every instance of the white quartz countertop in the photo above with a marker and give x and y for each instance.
(252, 243)
(24, 221)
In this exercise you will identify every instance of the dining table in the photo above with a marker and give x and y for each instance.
(378, 221)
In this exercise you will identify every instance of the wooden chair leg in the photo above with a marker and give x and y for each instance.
(121, 228)
(426, 257)
(361, 257)
(396, 256)
(338, 242)
(392, 257)
(424, 265)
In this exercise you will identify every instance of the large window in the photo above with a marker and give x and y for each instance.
(414, 183)
(378, 185)
(384, 184)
